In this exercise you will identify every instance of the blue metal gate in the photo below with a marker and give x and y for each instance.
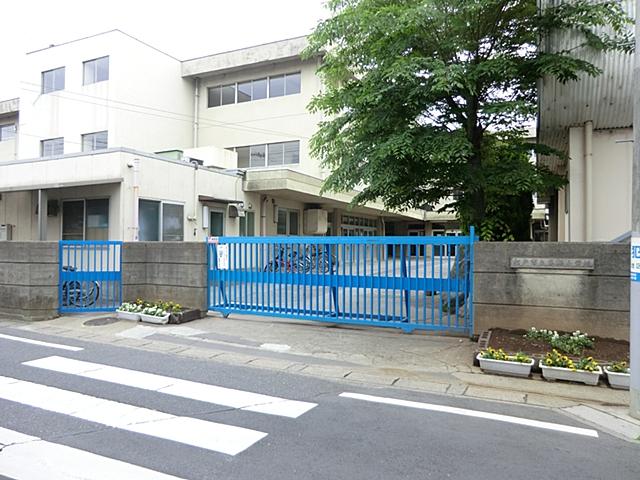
(404, 282)
(90, 276)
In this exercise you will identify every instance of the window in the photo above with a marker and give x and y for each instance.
(276, 86)
(96, 70)
(228, 94)
(7, 132)
(53, 80)
(94, 141)
(281, 153)
(214, 97)
(248, 225)
(160, 221)
(52, 147)
(216, 223)
(255, 89)
(287, 222)
(85, 219)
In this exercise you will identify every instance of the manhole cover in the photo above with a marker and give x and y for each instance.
(98, 322)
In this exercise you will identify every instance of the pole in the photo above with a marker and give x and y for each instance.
(634, 306)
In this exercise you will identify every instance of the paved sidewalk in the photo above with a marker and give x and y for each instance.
(383, 357)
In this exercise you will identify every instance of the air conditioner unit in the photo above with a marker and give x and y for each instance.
(6, 232)
(315, 221)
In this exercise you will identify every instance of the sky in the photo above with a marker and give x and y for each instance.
(184, 29)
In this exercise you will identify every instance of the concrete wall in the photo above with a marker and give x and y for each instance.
(167, 271)
(29, 280)
(595, 301)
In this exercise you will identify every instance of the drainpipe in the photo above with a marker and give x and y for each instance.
(136, 195)
(263, 216)
(196, 110)
(588, 180)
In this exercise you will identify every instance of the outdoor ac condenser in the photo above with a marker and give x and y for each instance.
(6, 232)
(315, 222)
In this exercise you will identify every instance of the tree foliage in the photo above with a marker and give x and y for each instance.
(427, 100)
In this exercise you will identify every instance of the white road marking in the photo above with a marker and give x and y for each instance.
(198, 433)
(203, 392)
(42, 344)
(275, 347)
(473, 413)
(143, 331)
(27, 458)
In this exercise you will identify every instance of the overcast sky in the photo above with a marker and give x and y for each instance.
(185, 29)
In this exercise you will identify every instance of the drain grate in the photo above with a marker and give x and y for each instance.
(98, 322)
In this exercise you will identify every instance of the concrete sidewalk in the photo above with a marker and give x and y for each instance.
(382, 357)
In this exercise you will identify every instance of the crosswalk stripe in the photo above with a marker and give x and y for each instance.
(199, 433)
(227, 397)
(26, 458)
(42, 344)
(473, 413)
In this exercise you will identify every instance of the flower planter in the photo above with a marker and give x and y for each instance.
(154, 319)
(618, 380)
(122, 315)
(502, 367)
(185, 316)
(580, 376)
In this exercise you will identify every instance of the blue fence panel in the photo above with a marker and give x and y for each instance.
(90, 276)
(404, 282)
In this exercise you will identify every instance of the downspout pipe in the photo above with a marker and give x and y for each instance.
(196, 110)
(263, 216)
(588, 181)
(136, 201)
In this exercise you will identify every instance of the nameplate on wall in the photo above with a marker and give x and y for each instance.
(553, 263)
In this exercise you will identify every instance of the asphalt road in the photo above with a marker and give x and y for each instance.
(105, 423)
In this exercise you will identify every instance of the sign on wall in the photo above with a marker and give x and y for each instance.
(635, 259)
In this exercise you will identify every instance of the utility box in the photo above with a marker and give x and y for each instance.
(315, 221)
(6, 232)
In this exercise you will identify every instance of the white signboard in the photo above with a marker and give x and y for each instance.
(223, 256)
(635, 259)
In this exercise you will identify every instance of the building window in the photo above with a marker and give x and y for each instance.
(7, 132)
(281, 153)
(96, 70)
(287, 222)
(94, 141)
(248, 225)
(256, 89)
(52, 147)
(53, 80)
(160, 221)
(216, 223)
(85, 219)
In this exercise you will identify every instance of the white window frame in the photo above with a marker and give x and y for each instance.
(84, 214)
(93, 142)
(9, 125)
(266, 160)
(42, 143)
(64, 80)
(160, 221)
(95, 72)
(288, 211)
(250, 81)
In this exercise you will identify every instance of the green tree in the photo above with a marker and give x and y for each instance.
(427, 100)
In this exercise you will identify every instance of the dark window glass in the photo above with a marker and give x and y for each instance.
(275, 153)
(292, 83)
(259, 89)
(291, 152)
(244, 92)
(228, 93)
(172, 222)
(293, 223)
(53, 80)
(149, 220)
(216, 224)
(276, 86)
(282, 222)
(243, 157)
(214, 97)
(73, 220)
(257, 156)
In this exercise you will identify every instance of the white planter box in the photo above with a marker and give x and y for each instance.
(618, 380)
(154, 319)
(580, 376)
(128, 315)
(502, 367)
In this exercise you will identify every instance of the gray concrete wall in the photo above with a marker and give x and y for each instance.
(595, 301)
(167, 271)
(29, 280)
